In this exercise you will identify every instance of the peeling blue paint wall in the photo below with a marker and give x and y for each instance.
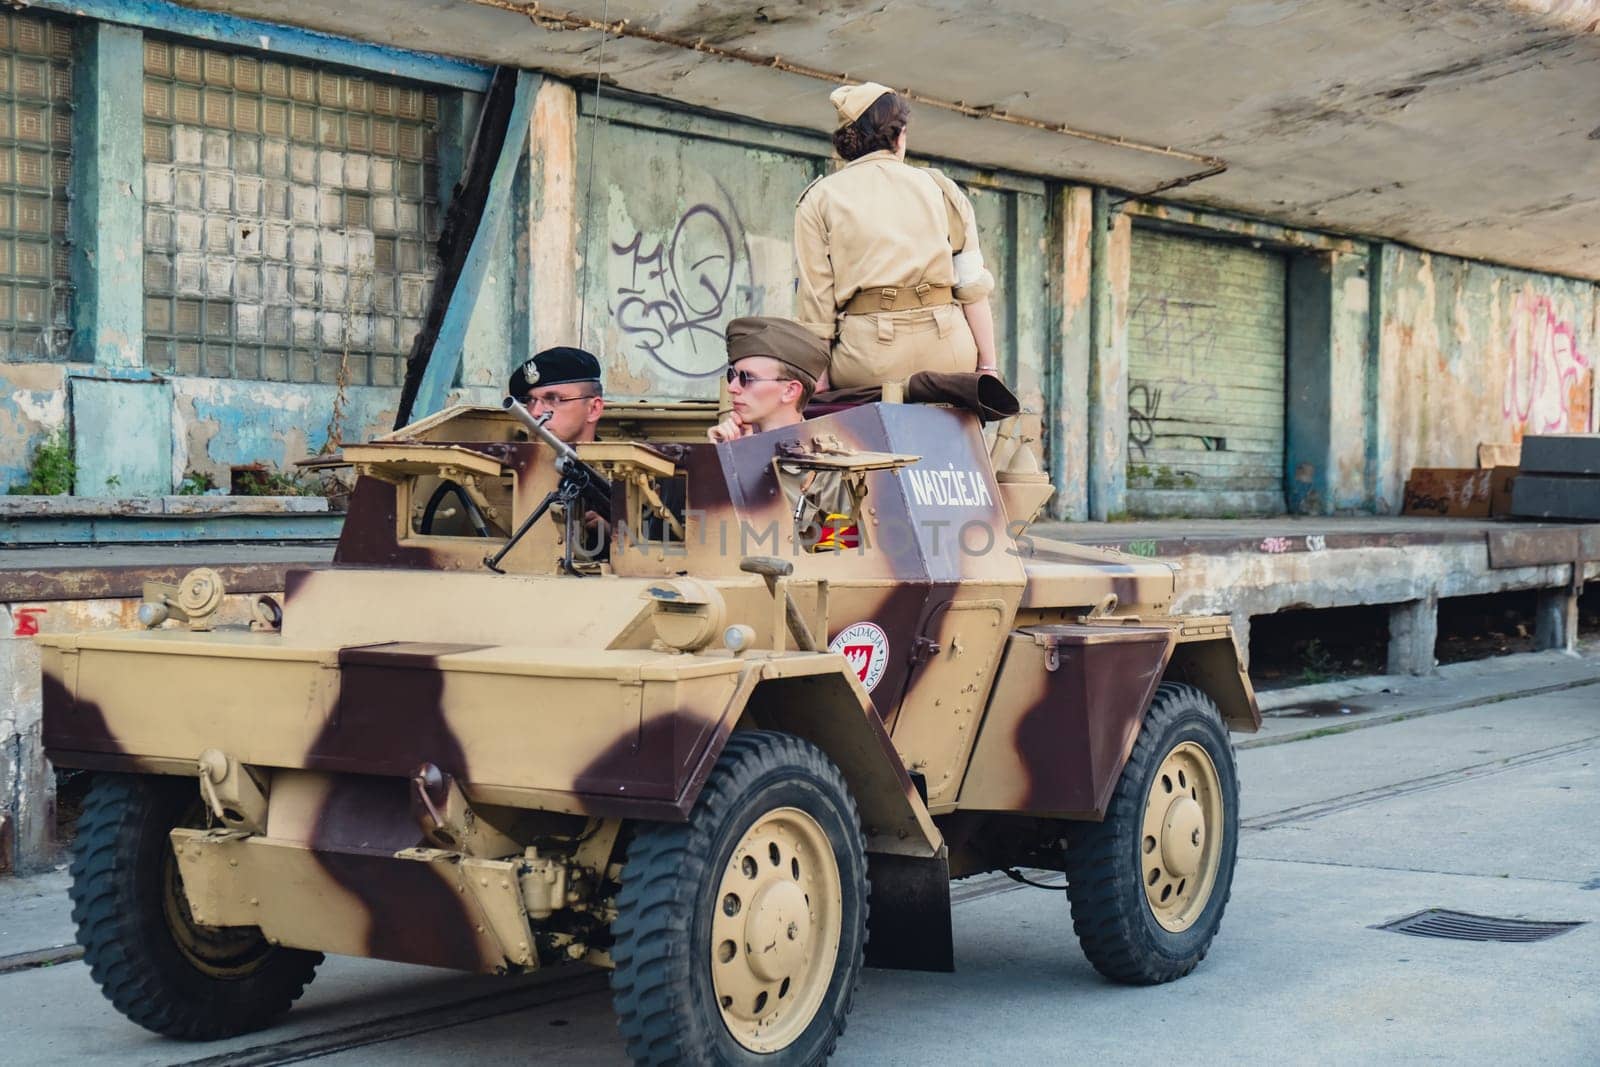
(120, 431)
(33, 406)
(220, 423)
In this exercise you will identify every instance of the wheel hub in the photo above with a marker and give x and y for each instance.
(1181, 847)
(1183, 836)
(775, 929)
(778, 930)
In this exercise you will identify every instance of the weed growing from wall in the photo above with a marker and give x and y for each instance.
(196, 483)
(52, 470)
(270, 483)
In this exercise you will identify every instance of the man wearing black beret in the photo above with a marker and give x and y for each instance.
(566, 382)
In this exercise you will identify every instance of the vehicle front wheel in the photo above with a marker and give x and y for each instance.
(739, 934)
(154, 963)
(1149, 884)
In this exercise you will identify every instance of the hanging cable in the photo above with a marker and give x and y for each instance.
(1017, 876)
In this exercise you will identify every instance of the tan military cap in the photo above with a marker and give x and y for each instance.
(784, 340)
(852, 101)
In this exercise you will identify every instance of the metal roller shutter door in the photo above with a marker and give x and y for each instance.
(1205, 377)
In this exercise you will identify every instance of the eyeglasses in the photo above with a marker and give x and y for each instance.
(744, 378)
(552, 401)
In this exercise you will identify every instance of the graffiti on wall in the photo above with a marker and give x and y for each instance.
(1548, 380)
(672, 292)
(1144, 414)
(1180, 337)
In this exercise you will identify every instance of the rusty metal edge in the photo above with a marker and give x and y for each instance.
(112, 583)
(1541, 546)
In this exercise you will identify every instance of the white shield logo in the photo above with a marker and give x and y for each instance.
(866, 648)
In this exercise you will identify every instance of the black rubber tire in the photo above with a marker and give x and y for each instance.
(119, 872)
(1110, 914)
(661, 985)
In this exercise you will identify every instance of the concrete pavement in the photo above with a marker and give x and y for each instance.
(1492, 809)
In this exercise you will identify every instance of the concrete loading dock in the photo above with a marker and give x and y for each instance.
(1260, 567)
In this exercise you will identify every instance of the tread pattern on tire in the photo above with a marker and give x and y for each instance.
(1106, 894)
(112, 921)
(654, 906)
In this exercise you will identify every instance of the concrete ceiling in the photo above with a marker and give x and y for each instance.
(1463, 126)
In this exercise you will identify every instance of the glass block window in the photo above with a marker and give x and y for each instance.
(290, 218)
(35, 166)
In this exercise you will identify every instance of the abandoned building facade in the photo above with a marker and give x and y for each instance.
(218, 254)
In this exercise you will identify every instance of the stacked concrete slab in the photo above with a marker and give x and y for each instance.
(1559, 477)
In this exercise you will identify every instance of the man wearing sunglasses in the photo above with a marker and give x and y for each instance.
(773, 367)
(566, 382)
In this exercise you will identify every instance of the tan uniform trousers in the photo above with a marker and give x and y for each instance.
(891, 346)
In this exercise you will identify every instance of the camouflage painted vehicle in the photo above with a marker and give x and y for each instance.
(713, 762)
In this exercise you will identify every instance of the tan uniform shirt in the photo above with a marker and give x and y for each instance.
(882, 222)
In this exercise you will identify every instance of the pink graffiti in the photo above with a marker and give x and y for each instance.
(1275, 545)
(1547, 378)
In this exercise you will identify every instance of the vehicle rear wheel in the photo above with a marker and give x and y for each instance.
(153, 962)
(1149, 884)
(739, 934)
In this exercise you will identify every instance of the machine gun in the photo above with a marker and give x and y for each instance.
(581, 488)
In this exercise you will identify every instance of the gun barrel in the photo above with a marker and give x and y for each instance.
(537, 426)
(595, 486)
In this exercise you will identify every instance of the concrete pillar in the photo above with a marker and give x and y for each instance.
(1028, 347)
(1326, 371)
(27, 784)
(108, 197)
(121, 419)
(1110, 252)
(553, 218)
(1413, 633)
(1349, 407)
(1309, 384)
(1066, 379)
(1386, 388)
(1556, 620)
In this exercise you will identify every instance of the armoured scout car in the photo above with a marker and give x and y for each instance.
(733, 754)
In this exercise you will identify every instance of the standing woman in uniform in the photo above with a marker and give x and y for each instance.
(890, 271)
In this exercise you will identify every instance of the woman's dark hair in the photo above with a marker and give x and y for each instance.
(877, 130)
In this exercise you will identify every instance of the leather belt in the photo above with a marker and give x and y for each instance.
(901, 298)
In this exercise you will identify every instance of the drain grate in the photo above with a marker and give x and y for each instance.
(1460, 926)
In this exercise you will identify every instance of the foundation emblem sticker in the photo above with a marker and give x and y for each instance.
(867, 650)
